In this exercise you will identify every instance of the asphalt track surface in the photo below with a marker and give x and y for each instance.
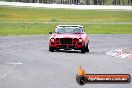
(25, 62)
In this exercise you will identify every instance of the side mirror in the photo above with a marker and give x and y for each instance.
(83, 30)
(50, 32)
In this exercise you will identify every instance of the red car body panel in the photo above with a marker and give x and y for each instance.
(68, 41)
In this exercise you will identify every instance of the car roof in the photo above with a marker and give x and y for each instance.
(69, 26)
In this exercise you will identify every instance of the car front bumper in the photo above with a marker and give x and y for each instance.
(67, 46)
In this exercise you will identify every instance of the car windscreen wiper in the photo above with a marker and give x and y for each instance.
(77, 33)
(58, 32)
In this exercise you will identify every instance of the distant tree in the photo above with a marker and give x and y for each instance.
(44, 1)
(87, 2)
(54, 1)
(62, 1)
(129, 2)
(118, 2)
(95, 2)
(123, 2)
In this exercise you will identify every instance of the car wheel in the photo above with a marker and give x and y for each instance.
(83, 49)
(86, 48)
(51, 49)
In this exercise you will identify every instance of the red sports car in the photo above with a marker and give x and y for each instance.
(69, 37)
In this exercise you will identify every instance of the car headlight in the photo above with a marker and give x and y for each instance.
(52, 40)
(80, 40)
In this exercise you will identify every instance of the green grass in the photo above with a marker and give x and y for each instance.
(16, 20)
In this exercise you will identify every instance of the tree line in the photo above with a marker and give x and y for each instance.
(78, 2)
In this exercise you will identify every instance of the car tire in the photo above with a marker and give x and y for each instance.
(51, 49)
(83, 49)
(86, 48)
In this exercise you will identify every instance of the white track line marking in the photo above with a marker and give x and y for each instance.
(15, 63)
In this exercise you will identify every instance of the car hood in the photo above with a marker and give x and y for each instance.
(67, 35)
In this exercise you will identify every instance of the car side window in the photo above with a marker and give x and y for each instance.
(59, 30)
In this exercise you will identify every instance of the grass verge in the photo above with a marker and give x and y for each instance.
(17, 21)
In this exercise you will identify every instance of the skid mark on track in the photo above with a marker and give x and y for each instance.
(121, 53)
(10, 70)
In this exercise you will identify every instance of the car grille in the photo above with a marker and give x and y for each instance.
(66, 40)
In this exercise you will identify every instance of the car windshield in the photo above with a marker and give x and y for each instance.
(75, 30)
